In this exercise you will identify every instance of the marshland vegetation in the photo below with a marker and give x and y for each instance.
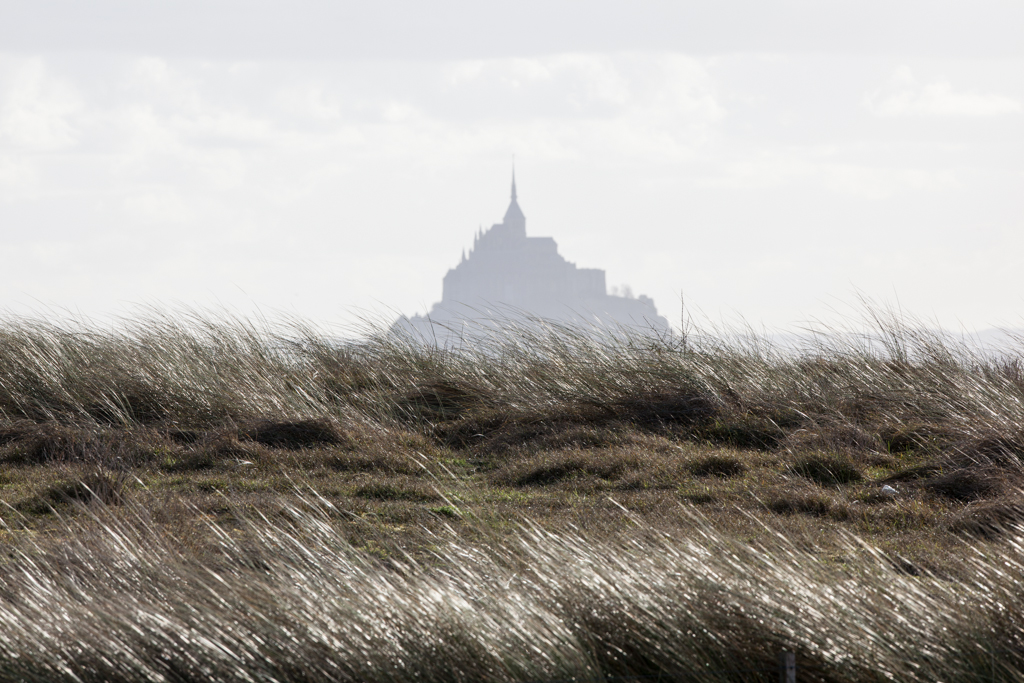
(195, 498)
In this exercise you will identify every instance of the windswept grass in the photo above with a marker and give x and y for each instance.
(292, 600)
(518, 507)
(896, 388)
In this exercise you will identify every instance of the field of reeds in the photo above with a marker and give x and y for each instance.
(193, 498)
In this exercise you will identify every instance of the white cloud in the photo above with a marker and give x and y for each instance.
(19, 179)
(869, 182)
(904, 96)
(587, 85)
(312, 101)
(827, 169)
(158, 205)
(36, 110)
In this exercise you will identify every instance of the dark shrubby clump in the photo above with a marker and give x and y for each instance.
(828, 469)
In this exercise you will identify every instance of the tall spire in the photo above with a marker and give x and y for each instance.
(515, 221)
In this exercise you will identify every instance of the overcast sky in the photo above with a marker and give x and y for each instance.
(770, 160)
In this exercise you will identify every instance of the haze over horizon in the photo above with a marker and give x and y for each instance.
(768, 160)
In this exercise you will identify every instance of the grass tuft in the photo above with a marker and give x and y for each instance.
(99, 486)
(393, 491)
(966, 485)
(828, 469)
(295, 434)
(815, 504)
(717, 466)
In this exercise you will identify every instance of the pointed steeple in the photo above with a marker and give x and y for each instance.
(514, 218)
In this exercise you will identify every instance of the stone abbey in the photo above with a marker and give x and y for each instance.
(508, 275)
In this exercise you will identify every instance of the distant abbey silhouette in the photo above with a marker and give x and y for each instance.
(509, 275)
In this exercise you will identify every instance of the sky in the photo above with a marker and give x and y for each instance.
(771, 162)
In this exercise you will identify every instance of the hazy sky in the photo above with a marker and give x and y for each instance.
(768, 159)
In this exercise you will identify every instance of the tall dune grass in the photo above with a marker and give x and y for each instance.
(905, 385)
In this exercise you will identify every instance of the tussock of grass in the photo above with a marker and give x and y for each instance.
(991, 519)
(844, 438)
(828, 469)
(699, 496)
(565, 464)
(196, 461)
(439, 401)
(101, 486)
(807, 503)
(717, 466)
(49, 443)
(380, 462)
(966, 485)
(397, 491)
(295, 433)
